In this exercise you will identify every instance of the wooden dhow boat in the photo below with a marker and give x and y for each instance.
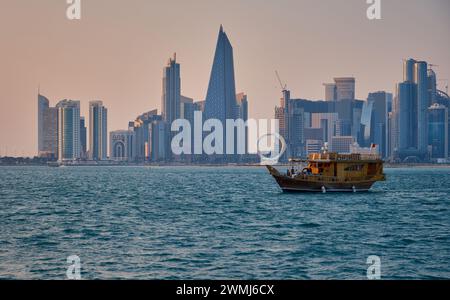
(331, 172)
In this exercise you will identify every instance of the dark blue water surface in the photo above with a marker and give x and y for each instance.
(218, 223)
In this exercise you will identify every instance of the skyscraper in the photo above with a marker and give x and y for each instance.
(242, 113)
(345, 88)
(171, 91)
(47, 129)
(438, 131)
(330, 91)
(379, 134)
(68, 130)
(83, 138)
(410, 110)
(405, 122)
(242, 106)
(187, 109)
(421, 80)
(221, 96)
(98, 131)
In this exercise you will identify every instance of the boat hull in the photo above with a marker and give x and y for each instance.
(299, 184)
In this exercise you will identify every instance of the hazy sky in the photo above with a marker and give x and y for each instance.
(117, 50)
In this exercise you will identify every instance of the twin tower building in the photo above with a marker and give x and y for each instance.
(62, 132)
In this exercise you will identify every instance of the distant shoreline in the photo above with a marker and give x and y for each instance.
(386, 166)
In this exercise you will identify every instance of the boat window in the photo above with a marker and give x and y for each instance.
(353, 168)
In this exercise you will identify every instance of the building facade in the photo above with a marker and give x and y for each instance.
(345, 88)
(83, 138)
(98, 131)
(122, 145)
(171, 93)
(438, 131)
(69, 146)
(47, 129)
(220, 100)
(410, 112)
(330, 91)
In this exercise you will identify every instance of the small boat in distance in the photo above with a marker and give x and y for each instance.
(331, 172)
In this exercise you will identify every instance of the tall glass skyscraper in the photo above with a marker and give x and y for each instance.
(423, 102)
(410, 111)
(438, 131)
(98, 132)
(221, 96)
(47, 129)
(379, 134)
(405, 118)
(345, 88)
(171, 91)
(83, 137)
(68, 130)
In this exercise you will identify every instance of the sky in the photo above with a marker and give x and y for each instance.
(117, 51)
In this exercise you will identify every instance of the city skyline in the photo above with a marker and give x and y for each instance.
(304, 73)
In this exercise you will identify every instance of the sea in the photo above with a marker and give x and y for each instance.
(218, 223)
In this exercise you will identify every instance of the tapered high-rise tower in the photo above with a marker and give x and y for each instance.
(221, 96)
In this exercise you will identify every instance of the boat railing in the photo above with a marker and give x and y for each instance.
(343, 157)
(322, 178)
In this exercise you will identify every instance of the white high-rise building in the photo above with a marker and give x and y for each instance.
(68, 130)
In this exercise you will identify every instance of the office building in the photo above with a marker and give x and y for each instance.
(47, 129)
(379, 121)
(242, 113)
(69, 146)
(159, 147)
(410, 111)
(345, 88)
(342, 144)
(330, 91)
(221, 96)
(83, 138)
(98, 131)
(438, 131)
(171, 91)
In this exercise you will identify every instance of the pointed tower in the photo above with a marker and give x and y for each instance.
(221, 97)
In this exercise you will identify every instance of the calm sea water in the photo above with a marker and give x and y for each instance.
(218, 223)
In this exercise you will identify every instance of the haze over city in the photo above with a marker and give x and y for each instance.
(117, 51)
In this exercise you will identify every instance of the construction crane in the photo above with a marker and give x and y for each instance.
(283, 87)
